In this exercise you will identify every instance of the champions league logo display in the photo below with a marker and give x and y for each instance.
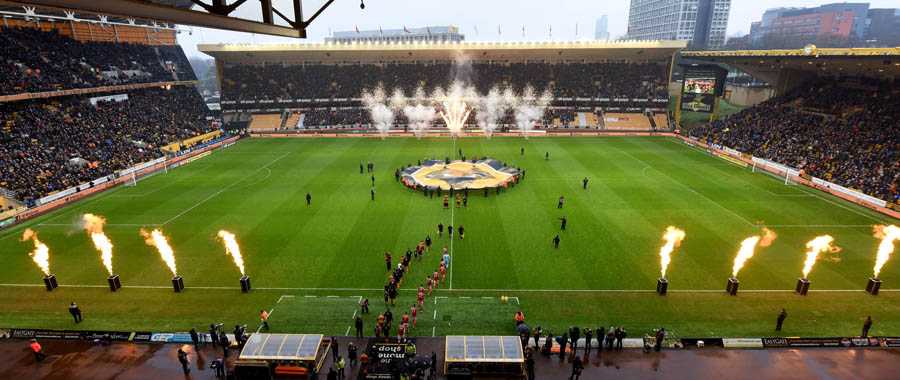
(458, 175)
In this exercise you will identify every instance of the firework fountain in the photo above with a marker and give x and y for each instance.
(420, 113)
(530, 109)
(93, 225)
(454, 105)
(491, 109)
(41, 256)
(888, 235)
(382, 114)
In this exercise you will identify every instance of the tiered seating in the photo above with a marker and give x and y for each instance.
(627, 122)
(265, 122)
(292, 120)
(852, 140)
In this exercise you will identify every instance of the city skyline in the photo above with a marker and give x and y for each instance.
(537, 18)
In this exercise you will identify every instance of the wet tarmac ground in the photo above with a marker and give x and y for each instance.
(84, 360)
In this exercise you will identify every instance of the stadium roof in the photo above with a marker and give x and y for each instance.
(426, 51)
(769, 65)
(208, 13)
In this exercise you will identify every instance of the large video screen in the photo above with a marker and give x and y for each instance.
(701, 86)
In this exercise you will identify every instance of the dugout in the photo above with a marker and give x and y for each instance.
(484, 357)
(281, 356)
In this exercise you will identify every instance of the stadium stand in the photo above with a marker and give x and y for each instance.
(627, 122)
(841, 130)
(293, 120)
(48, 145)
(601, 80)
(33, 60)
(265, 122)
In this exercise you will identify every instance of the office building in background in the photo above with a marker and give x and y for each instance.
(701, 22)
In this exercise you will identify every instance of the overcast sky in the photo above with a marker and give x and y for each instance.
(484, 15)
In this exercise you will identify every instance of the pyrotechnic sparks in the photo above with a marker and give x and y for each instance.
(673, 238)
(93, 224)
(455, 110)
(41, 253)
(748, 247)
(814, 248)
(232, 248)
(888, 235)
(531, 109)
(156, 239)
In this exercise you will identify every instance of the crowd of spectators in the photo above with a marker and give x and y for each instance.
(52, 144)
(621, 80)
(843, 131)
(32, 60)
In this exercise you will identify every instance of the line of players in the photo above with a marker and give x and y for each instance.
(431, 282)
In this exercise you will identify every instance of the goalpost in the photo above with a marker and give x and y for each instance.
(780, 169)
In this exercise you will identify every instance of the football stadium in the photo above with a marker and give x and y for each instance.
(445, 194)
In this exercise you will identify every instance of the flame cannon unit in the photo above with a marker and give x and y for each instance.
(873, 286)
(732, 286)
(50, 282)
(802, 286)
(177, 284)
(114, 282)
(245, 284)
(662, 286)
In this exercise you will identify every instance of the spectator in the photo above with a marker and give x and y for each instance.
(840, 130)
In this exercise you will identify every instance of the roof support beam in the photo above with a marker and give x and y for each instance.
(147, 10)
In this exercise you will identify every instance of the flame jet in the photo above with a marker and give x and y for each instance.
(888, 235)
(156, 239)
(673, 238)
(814, 248)
(748, 246)
(232, 248)
(41, 253)
(93, 224)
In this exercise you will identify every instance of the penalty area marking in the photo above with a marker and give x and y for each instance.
(233, 184)
(353, 318)
(272, 310)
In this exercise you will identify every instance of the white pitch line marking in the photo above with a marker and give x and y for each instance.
(107, 225)
(460, 290)
(266, 166)
(272, 310)
(857, 212)
(691, 189)
(433, 330)
(816, 225)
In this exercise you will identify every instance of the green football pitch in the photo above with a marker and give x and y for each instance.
(310, 265)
